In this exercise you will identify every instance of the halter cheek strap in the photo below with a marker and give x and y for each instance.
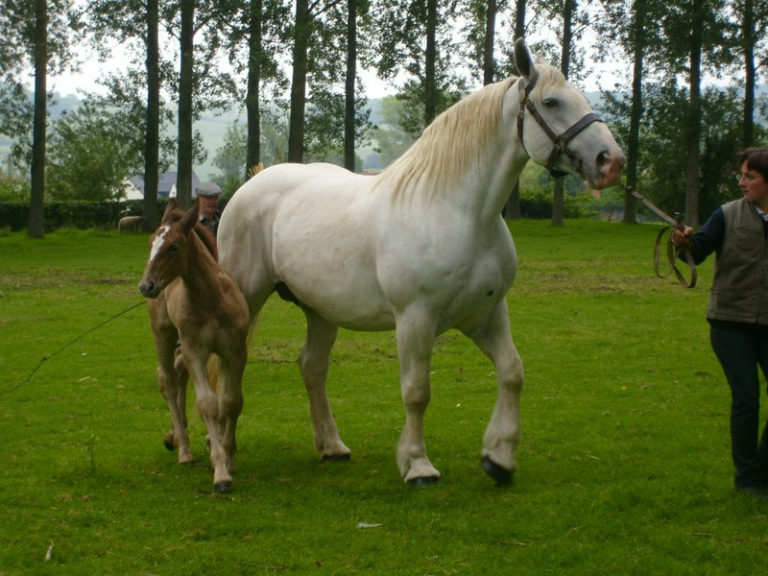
(560, 143)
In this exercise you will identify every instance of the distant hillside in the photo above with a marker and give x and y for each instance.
(213, 126)
(213, 129)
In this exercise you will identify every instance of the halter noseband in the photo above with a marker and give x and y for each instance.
(560, 143)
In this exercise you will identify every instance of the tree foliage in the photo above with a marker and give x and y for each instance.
(416, 40)
(681, 133)
(89, 155)
(36, 35)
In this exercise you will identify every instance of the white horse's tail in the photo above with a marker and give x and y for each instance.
(212, 366)
(213, 371)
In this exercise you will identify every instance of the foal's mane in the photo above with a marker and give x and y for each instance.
(455, 139)
(202, 231)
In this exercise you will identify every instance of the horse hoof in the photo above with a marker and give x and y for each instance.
(336, 458)
(185, 458)
(500, 475)
(424, 481)
(168, 442)
(223, 487)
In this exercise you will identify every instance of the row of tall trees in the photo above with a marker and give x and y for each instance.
(669, 111)
(193, 55)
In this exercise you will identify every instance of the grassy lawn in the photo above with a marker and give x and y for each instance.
(624, 465)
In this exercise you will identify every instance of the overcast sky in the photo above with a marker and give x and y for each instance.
(91, 70)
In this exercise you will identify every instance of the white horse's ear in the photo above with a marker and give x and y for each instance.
(523, 60)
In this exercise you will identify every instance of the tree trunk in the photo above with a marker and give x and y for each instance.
(430, 65)
(186, 85)
(512, 209)
(693, 169)
(36, 226)
(489, 63)
(748, 39)
(633, 144)
(152, 144)
(302, 32)
(558, 202)
(252, 106)
(520, 7)
(349, 88)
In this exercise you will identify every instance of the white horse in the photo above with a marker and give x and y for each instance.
(420, 248)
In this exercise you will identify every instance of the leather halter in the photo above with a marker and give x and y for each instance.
(560, 143)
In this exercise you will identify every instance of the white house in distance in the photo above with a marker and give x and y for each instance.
(130, 191)
(133, 187)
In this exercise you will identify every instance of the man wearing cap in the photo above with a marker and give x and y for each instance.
(208, 192)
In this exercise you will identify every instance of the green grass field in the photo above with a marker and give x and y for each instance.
(624, 465)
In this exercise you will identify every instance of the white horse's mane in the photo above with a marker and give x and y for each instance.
(454, 140)
(446, 147)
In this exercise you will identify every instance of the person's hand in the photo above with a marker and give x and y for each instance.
(681, 237)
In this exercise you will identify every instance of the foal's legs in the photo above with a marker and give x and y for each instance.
(172, 381)
(415, 330)
(503, 433)
(182, 377)
(230, 394)
(313, 363)
(209, 409)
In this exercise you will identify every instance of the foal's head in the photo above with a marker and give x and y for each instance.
(171, 248)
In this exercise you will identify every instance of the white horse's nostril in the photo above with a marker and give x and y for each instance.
(610, 163)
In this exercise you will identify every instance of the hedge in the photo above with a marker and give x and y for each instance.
(14, 216)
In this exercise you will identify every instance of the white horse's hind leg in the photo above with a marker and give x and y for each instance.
(415, 339)
(503, 433)
(313, 363)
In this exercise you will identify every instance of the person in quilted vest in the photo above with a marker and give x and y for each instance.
(738, 310)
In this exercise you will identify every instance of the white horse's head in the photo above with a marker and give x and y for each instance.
(558, 128)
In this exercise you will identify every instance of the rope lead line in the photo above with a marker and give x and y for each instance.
(67, 345)
(672, 253)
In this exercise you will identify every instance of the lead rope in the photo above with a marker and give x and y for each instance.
(67, 345)
(673, 253)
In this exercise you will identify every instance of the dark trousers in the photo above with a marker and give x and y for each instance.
(741, 348)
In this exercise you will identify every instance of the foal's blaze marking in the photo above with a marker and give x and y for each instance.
(158, 241)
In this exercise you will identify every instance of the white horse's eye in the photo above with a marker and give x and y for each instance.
(551, 103)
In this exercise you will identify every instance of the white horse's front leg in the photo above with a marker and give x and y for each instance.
(313, 363)
(415, 339)
(503, 433)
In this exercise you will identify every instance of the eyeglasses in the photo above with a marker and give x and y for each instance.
(747, 177)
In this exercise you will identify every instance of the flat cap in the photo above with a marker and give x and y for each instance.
(207, 189)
